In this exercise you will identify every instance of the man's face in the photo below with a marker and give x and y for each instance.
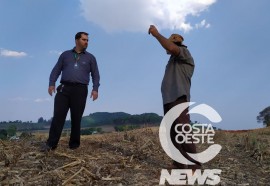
(82, 42)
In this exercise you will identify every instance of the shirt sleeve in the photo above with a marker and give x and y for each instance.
(56, 71)
(184, 53)
(95, 74)
(184, 57)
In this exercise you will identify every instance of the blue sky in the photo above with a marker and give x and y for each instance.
(228, 40)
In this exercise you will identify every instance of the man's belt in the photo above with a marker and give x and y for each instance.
(67, 83)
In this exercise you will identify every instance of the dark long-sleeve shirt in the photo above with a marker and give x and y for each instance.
(76, 68)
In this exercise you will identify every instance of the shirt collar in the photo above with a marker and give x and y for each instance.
(73, 50)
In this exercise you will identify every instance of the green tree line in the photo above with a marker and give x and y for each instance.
(264, 117)
(92, 120)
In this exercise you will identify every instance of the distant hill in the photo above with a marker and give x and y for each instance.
(119, 118)
(94, 120)
(104, 118)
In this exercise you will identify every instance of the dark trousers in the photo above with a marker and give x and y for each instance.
(183, 147)
(71, 97)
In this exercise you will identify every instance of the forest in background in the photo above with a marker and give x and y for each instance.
(96, 119)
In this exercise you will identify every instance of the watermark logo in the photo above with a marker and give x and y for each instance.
(202, 133)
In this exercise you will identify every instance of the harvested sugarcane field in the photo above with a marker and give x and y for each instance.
(129, 158)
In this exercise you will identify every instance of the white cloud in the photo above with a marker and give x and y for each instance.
(202, 24)
(11, 53)
(40, 100)
(55, 52)
(137, 15)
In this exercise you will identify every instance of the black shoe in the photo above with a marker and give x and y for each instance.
(73, 147)
(46, 148)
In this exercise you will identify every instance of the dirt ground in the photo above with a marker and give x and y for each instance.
(129, 158)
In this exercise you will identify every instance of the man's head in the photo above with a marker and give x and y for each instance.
(81, 40)
(176, 39)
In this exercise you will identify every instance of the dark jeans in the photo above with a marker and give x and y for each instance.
(183, 147)
(71, 97)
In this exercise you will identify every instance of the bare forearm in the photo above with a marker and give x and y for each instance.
(165, 43)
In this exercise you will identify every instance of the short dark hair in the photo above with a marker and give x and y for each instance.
(79, 35)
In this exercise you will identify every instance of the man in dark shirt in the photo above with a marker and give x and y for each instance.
(76, 65)
(175, 88)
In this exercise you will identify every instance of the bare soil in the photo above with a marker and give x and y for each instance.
(129, 158)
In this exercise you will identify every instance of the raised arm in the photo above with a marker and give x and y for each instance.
(169, 46)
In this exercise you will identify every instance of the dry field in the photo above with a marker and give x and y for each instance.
(129, 158)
